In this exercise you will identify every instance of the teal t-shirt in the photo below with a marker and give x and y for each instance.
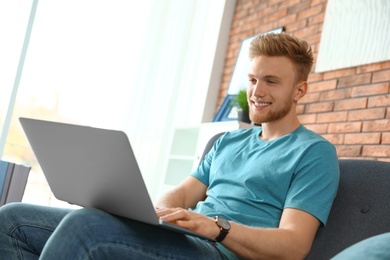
(251, 181)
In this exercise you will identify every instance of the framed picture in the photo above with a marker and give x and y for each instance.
(226, 112)
(239, 79)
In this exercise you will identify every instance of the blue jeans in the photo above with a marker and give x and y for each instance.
(32, 232)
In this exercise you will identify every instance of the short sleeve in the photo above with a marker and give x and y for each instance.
(315, 183)
(202, 173)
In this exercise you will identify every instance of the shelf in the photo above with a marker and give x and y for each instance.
(182, 157)
(185, 141)
(178, 170)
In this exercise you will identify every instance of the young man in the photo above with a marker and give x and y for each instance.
(261, 192)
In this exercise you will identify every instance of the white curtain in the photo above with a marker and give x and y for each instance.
(143, 67)
(16, 19)
(174, 78)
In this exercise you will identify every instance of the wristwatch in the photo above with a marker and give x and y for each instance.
(224, 225)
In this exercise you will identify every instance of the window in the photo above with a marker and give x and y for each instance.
(143, 67)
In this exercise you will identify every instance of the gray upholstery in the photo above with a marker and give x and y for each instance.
(360, 210)
(210, 144)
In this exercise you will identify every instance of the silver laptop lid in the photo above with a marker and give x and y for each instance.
(91, 167)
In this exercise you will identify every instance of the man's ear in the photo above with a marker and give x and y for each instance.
(300, 90)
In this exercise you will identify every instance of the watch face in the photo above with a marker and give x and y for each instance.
(223, 223)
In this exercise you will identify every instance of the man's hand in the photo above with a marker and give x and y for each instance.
(190, 220)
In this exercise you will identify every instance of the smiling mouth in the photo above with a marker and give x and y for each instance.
(262, 104)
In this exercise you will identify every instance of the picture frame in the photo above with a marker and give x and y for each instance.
(239, 80)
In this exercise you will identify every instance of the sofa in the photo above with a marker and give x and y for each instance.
(361, 208)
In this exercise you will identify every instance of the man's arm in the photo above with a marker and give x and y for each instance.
(291, 240)
(186, 195)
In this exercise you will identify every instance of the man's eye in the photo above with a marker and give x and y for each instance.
(252, 80)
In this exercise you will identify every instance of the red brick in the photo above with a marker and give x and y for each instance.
(332, 117)
(287, 19)
(310, 98)
(292, 27)
(381, 76)
(379, 101)
(373, 67)
(257, 5)
(348, 150)
(385, 138)
(231, 62)
(319, 107)
(288, 3)
(308, 30)
(318, 128)
(370, 90)
(350, 127)
(265, 27)
(315, 49)
(314, 77)
(298, 7)
(349, 104)
(322, 85)
(316, 2)
(377, 126)
(307, 119)
(376, 150)
(313, 39)
(274, 2)
(339, 73)
(356, 80)
(362, 138)
(319, 18)
(239, 14)
(366, 114)
(300, 109)
(335, 94)
(229, 71)
(310, 12)
(334, 138)
(277, 15)
(249, 20)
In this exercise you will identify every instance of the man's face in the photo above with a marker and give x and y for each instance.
(271, 89)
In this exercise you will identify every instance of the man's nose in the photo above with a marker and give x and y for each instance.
(258, 90)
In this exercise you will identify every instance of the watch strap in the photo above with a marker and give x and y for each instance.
(221, 235)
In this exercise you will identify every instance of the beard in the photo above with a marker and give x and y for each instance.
(258, 118)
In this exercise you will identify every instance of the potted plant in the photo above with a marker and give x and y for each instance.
(241, 102)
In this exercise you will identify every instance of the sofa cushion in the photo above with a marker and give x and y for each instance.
(360, 210)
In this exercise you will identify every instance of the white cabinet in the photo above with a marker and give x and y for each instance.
(187, 147)
(182, 154)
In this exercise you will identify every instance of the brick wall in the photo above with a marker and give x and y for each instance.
(349, 107)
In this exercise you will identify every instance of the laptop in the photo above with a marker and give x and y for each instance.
(95, 168)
